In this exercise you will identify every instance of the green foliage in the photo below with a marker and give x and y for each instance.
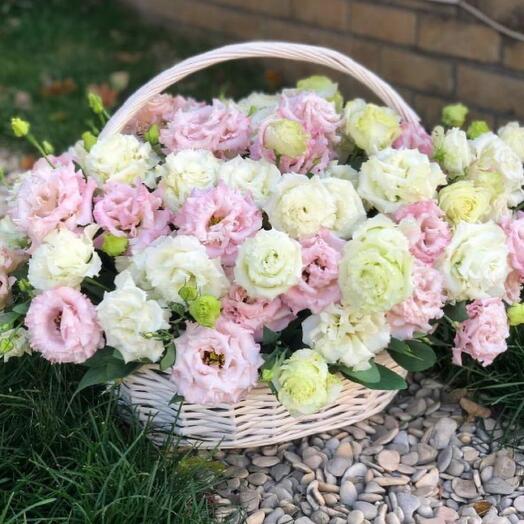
(413, 355)
(74, 461)
(378, 377)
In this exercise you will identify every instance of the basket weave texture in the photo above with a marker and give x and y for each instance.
(259, 419)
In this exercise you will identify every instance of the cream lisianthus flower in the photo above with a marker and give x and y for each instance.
(184, 171)
(343, 171)
(513, 135)
(121, 158)
(344, 336)
(173, 262)
(395, 177)
(493, 155)
(268, 264)
(301, 206)
(257, 177)
(452, 150)
(126, 315)
(286, 137)
(64, 259)
(465, 201)
(258, 106)
(375, 271)
(350, 212)
(304, 384)
(371, 127)
(14, 343)
(475, 262)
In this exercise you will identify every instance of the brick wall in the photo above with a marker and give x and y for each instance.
(432, 53)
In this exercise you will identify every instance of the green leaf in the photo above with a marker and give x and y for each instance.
(21, 308)
(398, 346)
(388, 380)
(9, 317)
(176, 398)
(456, 312)
(113, 370)
(269, 336)
(101, 357)
(371, 375)
(169, 357)
(418, 357)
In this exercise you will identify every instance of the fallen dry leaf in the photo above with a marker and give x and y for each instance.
(27, 161)
(473, 409)
(59, 87)
(108, 95)
(482, 507)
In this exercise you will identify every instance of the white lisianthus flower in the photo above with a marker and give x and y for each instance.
(343, 171)
(344, 336)
(10, 236)
(395, 177)
(257, 177)
(452, 150)
(371, 127)
(304, 384)
(475, 263)
(258, 106)
(465, 201)
(350, 211)
(513, 135)
(494, 156)
(172, 262)
(301, 206)
(126, 315)
(375, 270)
(64, 259)
(184, 171)
(14, 343)
(268, 264)
(121, 158)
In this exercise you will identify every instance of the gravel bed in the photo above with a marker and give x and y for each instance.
(421, 461)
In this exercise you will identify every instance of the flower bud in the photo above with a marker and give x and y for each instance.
(48, 147)
(20, 127)
(95, 103)
(454, 115)
(516, 314)
(205, 310)
(152, 134)
(324, 87)
(477, 128)
(89, 140)
(113, 245)
(286, 137)
(188, 293)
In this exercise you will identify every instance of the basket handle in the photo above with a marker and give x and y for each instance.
(285, 50)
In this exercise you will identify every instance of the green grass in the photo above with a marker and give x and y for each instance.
(499, 386)
(88, 41)
(79, 463)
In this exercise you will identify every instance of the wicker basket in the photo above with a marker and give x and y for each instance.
(259, 419)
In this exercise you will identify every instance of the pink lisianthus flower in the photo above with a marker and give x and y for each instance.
(424, 226)
(219, 127)
(483, 336)
(50, 197)
(414, 136)
(63, 327)
(133, 212)
(255, 313)
(318, 286)
(514, 229)
(6, 283)
(221, 218)
(426, 303)
(513, 287)
(158, 110)
(319, 119)
(215, 365)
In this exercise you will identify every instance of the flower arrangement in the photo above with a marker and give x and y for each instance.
(283, 238)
